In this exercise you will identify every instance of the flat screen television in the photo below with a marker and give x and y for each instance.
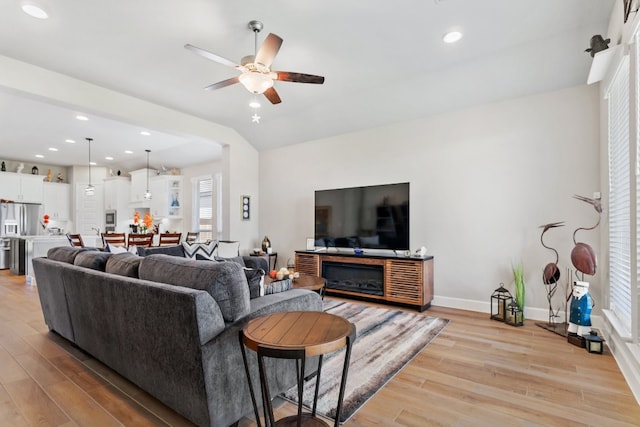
(371, 217)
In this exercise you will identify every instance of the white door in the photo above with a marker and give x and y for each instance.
(89, 210)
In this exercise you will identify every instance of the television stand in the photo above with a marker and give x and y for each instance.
(394, 279)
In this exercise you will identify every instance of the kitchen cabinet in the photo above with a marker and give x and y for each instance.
(117, 191)
(57, 201)
(166, 191)
(21, 187)
(139, 186)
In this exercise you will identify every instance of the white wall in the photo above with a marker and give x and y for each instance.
(482, 182)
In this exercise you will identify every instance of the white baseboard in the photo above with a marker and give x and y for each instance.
(531, 313)
(485, 307)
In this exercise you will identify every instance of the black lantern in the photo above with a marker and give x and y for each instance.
(593, 342)
(515, 316)
(499, 302)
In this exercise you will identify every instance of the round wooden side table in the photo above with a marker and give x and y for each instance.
(296, 335)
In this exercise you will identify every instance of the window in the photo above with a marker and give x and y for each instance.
(619, 197)
(204, 212)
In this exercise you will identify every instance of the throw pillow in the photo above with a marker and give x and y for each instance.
(255, 278)
(228, 249)
(205, 249)
(116, 249)
(277, 286)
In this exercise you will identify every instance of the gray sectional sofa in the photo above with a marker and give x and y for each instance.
(168, 324)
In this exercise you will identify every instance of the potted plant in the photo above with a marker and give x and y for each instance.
(518, 278)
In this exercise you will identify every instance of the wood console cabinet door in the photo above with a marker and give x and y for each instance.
(308, 264)
(408, 281)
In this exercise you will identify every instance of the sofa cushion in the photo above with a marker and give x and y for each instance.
(207, 250)
(224, 281)
(92, 259)
(125, 264)
(255, 276)
(66, 253)
(115, 249)
(236, 259)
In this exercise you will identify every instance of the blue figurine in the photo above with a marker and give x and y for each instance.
(580, 309)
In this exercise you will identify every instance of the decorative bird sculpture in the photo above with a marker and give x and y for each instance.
(551, 272)
(583, 257)
(597, 44)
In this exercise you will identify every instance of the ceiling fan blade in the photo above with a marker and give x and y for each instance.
(224, 83)
(286, 76)
(268, 50)
(272, 96)
(212, 56)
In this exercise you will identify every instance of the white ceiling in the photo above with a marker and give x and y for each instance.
(383, 62)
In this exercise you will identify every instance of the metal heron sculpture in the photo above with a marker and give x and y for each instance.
(551, 272)
(583, 257)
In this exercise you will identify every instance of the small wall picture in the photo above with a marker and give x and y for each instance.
(245, 207)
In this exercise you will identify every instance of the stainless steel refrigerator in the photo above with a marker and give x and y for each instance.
(17, 219)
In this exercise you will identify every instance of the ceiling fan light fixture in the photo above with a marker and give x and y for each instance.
(452, 36)
(254, 104)
(256, 82)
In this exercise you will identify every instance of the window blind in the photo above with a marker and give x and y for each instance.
(619, 196)
(205, 208)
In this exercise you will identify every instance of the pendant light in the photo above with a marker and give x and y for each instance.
(147, 195)
(90, 190)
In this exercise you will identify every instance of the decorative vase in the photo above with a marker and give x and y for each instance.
(266, 244)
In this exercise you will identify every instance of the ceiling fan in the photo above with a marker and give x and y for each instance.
(256, 74)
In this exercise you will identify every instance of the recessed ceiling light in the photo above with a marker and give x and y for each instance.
(83, 118)
(70, 141)
(254, 104)
(452, 36)
(34, 10)
(40, 156)
(108, 158)
(92, 163)
(128, 152)
(53, 149)
(145, 133)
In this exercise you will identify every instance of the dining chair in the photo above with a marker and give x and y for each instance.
(192, 236)
(75, 240)
(144, 240)
(169, 239)
(114, 239)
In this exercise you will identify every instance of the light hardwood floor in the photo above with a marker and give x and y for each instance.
(477, 372)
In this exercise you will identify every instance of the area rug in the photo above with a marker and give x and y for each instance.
(386, 340)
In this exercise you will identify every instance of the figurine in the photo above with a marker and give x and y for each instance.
(48, 175)
(20, 167)
(583, 256)
(59, 177)
(4, 168)
(580, 309)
